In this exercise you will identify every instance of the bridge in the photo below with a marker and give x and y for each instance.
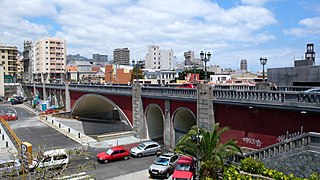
(257, 118)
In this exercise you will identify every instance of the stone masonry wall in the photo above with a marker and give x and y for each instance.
(302, 163)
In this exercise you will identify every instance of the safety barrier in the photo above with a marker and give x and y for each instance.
(13, 134)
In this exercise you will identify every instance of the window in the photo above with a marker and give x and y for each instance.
(60, 157)
(2, 57)
(122, 151)
(47, 159)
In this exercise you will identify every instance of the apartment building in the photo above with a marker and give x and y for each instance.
(8, 57)
(159, 59)
(121, 56)
(50, 59)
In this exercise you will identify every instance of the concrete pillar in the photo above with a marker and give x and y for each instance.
(67, 98)
(2, 93)
(138, 118)
(205, 112)
(167, 134)
(45, 95)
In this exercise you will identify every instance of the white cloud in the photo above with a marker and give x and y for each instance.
(311, 26)
(101, 26)
(254, 2)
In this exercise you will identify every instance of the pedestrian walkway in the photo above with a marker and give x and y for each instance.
(140, 175)
(7, 148)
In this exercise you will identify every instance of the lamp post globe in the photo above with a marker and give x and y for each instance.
(205, 57)
(263, 62)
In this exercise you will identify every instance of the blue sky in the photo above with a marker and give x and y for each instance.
(230, 29)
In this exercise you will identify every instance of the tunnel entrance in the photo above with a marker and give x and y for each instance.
(154, 119)
(99, 115)
(183, 120)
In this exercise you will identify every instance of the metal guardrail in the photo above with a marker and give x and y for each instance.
(13, 134)
(285, 146)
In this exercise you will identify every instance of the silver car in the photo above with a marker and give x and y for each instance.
(164, 165)
(146, 148)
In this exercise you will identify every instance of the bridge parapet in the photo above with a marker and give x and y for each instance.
(169, 92)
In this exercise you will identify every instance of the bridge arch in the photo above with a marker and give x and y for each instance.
(154, 122)
(96, 104)
(183, 119)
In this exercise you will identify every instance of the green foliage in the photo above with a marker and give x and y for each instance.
(211, 150)
(252, 166)
(315, 176)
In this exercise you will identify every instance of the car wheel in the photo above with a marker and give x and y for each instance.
(158, 152)
(106, 161)
(126, 158)
(139, 155)
(167, 175)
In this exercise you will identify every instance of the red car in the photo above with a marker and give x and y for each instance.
(188, 85)
(185, 168)
(113, 154)
(9, 116)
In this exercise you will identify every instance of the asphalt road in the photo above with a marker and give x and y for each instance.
(29, 128)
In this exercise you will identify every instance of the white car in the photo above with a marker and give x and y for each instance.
(51, 159)
(146, 148)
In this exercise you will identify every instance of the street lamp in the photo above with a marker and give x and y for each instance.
(205, 57)
(263, 62)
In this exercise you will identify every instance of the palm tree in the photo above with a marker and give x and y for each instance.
(212, 151)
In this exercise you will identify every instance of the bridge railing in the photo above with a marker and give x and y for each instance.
(307, 139)
(165, 91)
(282, 96)
(119, 89)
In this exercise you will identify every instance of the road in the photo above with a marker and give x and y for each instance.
(29, 128)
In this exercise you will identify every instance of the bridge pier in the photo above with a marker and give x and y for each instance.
(138, 118)
(67, 98)
(205, 111)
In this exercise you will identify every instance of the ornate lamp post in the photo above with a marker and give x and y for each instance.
(205, 57)
(138, 63)
(263, 62)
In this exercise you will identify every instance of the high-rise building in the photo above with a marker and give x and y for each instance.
(99, 58)
(243, 65)
(121, 56)
(159, 59)
(188, 58)
(28, 63)
(50, 59)
(8, 57)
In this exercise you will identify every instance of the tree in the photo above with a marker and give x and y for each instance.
(213, 153)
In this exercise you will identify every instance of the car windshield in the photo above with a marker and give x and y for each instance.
(141, 146)
(162, 161)
(183, 167)
(109, 151)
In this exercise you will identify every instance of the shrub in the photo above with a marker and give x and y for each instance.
(251, 165)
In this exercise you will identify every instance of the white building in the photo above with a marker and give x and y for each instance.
(159, 59)
(220, 78)
(50, 59)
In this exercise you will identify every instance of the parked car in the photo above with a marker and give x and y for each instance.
(9, 116)
(185, 168)
(15, 101)
(113, 154)
(9, 167)
(308, 95)
(188, 85)
(146, 148)
(164, 165)
(51, 159)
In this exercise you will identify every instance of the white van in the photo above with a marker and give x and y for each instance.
(51, 159)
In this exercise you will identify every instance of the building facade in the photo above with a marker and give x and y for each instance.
(188, 57)
(28, 63)
(243, 65)
(159, 59)
(99, 58)
(121, 56)
(50, 60)
(9, 58)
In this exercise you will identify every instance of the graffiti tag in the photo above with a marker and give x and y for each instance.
(255, 142)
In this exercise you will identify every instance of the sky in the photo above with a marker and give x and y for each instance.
(230, 30)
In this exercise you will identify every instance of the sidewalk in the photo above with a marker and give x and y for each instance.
(7, 148)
